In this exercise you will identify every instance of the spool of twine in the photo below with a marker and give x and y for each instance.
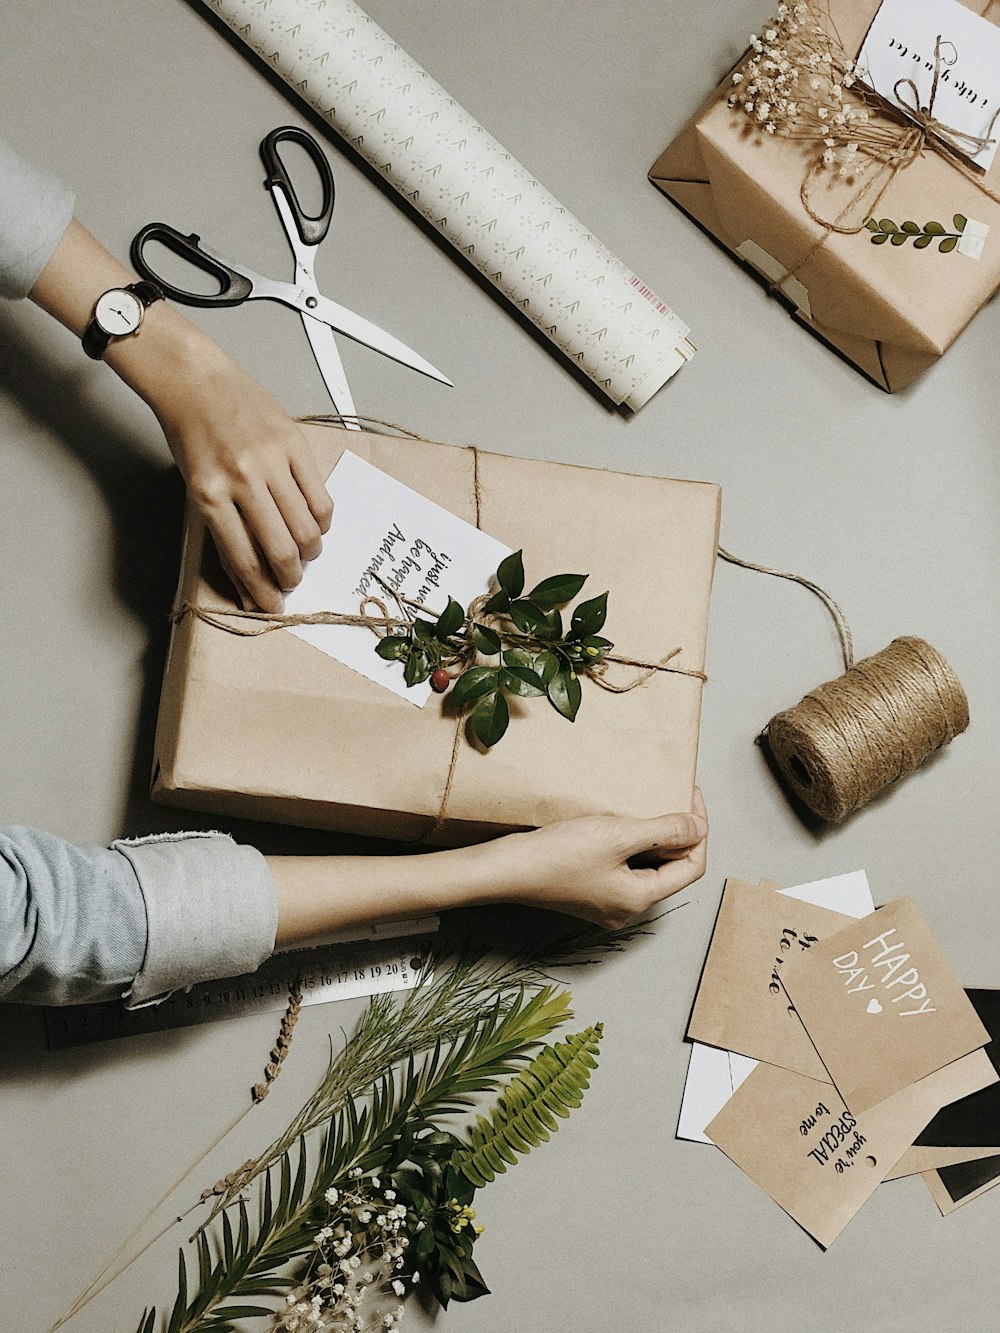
(851, 738)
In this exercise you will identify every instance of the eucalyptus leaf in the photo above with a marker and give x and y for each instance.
(898, 238)
(911, 228)
(933, 229)
(473, 684)
(521, 680)
(947, 244)
(490, 718)
(392, 647)
(518, 657)
(527, 617)
(565, 693)
(551, 628)
(547, 664)
(920, 242)
(871, 224)
(450, 620)
(499, 602)
(887, 225)
(589, 617)
(510, 574)
(881, 237)
(417, 668)
(486, 640)
(960, 221)
(557, 590)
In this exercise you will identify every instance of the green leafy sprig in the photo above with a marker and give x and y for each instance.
(539, 656)
(390, 1145)
(886, 230)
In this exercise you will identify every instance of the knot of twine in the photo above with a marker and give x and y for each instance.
(382, 623)
(885, 137)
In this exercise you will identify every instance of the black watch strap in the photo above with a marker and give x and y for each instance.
(95, 339)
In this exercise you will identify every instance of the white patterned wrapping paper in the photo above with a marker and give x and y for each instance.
(443, 162)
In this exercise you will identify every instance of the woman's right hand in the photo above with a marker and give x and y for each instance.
(604, 868)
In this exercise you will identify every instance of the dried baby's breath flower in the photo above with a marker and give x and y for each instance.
(793, 83)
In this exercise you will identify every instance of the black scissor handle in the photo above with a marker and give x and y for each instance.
(234, 288)
(311, 229)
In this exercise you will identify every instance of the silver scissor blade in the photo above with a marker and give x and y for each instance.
(327, 354)
(363, 331)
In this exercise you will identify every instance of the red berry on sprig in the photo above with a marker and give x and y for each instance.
(440, 680)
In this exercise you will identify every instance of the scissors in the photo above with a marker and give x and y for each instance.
(321, 317)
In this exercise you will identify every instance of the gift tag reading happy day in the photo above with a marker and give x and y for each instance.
(882, 1005)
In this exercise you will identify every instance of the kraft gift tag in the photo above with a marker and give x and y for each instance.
(881, 1005)
(741, 1005)
(796, 1138)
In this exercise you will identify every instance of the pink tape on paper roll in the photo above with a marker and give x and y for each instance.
(548, 265)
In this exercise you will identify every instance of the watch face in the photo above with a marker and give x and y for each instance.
(118, 312)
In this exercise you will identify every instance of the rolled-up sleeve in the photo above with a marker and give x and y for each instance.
(133, 921)
(35, 209)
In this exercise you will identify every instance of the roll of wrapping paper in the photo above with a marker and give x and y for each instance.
(493, 211)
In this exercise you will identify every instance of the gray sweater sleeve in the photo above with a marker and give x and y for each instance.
(133, 921)
(35, 210)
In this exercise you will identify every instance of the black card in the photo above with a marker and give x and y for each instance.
(973, 1121)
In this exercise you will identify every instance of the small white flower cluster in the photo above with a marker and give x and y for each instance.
(793, 83)
(360, 1254)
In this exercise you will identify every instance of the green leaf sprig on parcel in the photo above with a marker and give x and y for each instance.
(539, 656)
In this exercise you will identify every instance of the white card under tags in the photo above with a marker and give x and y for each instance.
(387, 538)
(900, 48)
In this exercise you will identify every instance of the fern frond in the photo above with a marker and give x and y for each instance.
(552, 1085)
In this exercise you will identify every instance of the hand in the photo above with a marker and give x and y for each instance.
(606, 869)
(250, 472)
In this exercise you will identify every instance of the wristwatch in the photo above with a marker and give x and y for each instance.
(117, 314)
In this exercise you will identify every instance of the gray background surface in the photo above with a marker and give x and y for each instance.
(888, 501)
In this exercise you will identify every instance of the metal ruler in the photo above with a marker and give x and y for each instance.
(372, 962)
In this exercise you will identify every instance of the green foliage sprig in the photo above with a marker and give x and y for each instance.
(369, 1187)
(887, 230)
(539, 656)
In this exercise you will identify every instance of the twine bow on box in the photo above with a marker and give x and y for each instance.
(798, 81)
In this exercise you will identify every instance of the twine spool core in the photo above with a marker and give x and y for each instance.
(850, 738)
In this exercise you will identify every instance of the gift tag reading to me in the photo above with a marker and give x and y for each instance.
(386, 538)
(900, 50)
(881, 1005)
(740, 1004)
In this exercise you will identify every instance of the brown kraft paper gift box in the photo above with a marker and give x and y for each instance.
(892, 311)
(273, 729)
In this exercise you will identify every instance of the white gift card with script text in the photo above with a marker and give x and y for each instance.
(901, 45)
(385, 533)
(713, 1074)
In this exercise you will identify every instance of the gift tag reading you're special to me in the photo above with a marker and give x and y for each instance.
(908, 38)
(388, 539)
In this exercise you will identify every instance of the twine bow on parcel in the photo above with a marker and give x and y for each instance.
(795, 86)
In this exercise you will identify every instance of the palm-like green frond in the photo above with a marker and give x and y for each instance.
(525, 1116)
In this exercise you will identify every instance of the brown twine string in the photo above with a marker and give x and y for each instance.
(852, 737)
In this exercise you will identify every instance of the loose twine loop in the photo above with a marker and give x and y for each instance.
(852, 737)
(381, 622)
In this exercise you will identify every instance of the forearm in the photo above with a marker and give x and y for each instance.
(155, 360)
(319, 896)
